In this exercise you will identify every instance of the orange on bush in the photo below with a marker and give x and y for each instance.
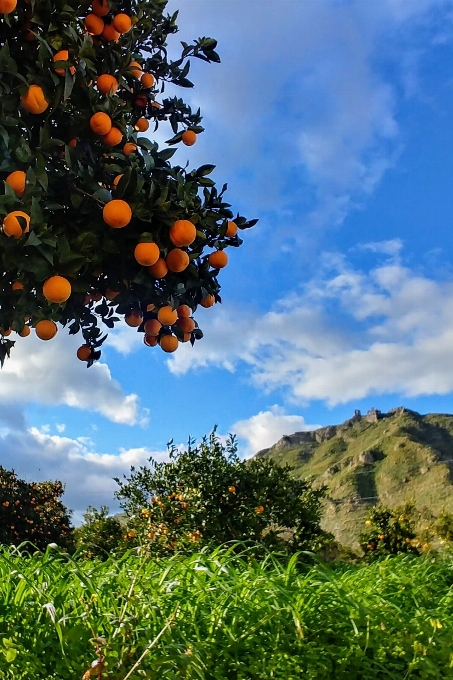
(73, 142)
(122, 23)
(186, 337)
(113, 137)
(100, 8)
(232, 489)
(159, 269)
(34, 101)
(167, 315)
(100, 123)
(7, 6)
(57, 289)
(16, 180)
(84, 353)
(152, 327)
(177, 260)
(5, 333)
(134, 318)
(186, 325)
(184, 312)
(111, 294)
(107, 84)
(259, 510)
(94, 24)
(169, 343)
(189, 138)
(148, 80)
(232, 229)
(117, 213)
(46, 329)
(208, 301)
(116, 180)
(24, 332)
(218, 259)
(129, 148)
(136, 69)
(109, 33)
(146, 254)
(12, 226)
(142, 125)
(17, 285)
(63, 55)
(150, 340)
(182, 233)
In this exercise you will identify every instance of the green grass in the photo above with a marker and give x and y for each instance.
(232, 618)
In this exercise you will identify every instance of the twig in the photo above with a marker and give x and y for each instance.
(151, 645)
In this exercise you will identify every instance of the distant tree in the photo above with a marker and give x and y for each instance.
(206, 495)
(389, 532)
(33, 511)
(99, 535)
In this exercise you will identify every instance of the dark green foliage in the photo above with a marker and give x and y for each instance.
(389, 532)
(99, 534)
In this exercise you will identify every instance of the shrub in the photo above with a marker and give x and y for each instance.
(99, 534)
(389, 532)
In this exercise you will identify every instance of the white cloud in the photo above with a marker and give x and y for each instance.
(60, 427)
(266, 427)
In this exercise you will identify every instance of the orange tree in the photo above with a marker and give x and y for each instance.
(32, 512)
(389, 532)
(206, 495)
(99, 534)
(96, 223)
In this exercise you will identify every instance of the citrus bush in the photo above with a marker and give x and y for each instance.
(389, 532)
(206, 495)
(97, 225)
(32, 511)
(99, 534)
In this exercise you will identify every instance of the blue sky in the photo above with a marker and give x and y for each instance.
(331, 121)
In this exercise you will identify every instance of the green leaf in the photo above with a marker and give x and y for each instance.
(11, 654)
(204, 170)
(36, 216)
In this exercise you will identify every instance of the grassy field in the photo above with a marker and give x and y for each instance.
(224, 617)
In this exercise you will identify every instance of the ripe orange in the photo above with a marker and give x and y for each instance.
(5, 333)
(167, 315)
(117, 213)
(73, 142)
(7, 6)
(63, 55)
(146, 254)
(186, 325)
(129, 148)
(16, 181)
(184, 311)
(169, 343)
(12, 226)
(100, 123)
(152, 327)
(24, 332)
(122, 23)
(109, 33)
(218, 259)
(259, 510)
(113, 137)
(111, 294)
(100, 8)
(148, 80)
(116, 180)
(17, 285)
(150, 307)
(186, 337)
(107, 84)
(150, 340)
(34, 101)
(156, 105)
(57, 289)
(232, 229)
(182, 233)
(94, 24)
(177, 260)
(134, 318)
(159, 269)
(136, 69)
(232, 489)
(84, 353)
(46, 329)
(189, 138)
(208, 301)
(142, 125)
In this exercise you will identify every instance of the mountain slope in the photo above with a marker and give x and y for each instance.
(378, 458)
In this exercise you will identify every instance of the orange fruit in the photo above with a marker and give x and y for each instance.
(62, 55)
(107, 84)
(117, 179)
(169, 343)
(34, 101)
(218, 259)
(94, 24)
(7, 6)
(184, 312)
(5, 333)
(129, 148)
(109, 33)
(16, 181)
(189, 138)
(136, 69)
(186, 337)
(150, 307)
(152, 327)
(147, 80)
(111, 294)
(117, 213)
(186, 325)
(100, 123)
(159, 269)
(100, 8)
(208, 301)
(17, 285)
(182, 233)
(113, 137)
(122, 23)
(134, 318)
(146, 254)
(259, 510)
(232, 489)
(24, 332)
(177, 260)
(57, 289)
(167, 315)
(232, 229)
(12, 226)
(46, 329)
(73, 142)
(142, 125)
(150, 340)
(84, 353)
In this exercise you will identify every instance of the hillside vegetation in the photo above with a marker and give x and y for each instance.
(387, 458)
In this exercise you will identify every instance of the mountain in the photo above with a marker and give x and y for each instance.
(386, 458)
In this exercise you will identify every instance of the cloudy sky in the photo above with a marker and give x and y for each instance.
(331, 121)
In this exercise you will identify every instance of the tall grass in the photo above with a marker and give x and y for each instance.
(227, 618)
